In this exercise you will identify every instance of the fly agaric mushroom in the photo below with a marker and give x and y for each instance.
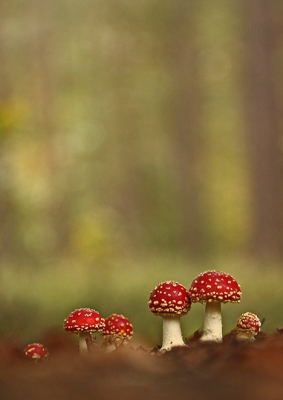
(83, 321)
(118, 330)
(36, 351)
(170, 300)
(213, 288)
(248, 326)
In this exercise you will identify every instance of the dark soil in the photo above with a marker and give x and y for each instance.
(202, 371)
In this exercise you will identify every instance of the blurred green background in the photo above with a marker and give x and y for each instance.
(140, 141)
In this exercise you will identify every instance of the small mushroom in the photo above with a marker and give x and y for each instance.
(213, 288)
(36, 352)
(248, 326)
(170, 300)
(118, 330)
(83, 321)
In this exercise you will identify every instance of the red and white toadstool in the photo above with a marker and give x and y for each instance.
(248, 326)
(213, 288)
(36, 351)
(83, 321)
(170, 300)
(118, 330)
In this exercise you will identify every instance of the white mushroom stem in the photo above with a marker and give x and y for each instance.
(212, 326)
(82, 343)
(172, 335)
(111, 343)
(245, 336)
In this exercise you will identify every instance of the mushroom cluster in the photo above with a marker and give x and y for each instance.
(212, 288)
(169, 300)
(116, 331)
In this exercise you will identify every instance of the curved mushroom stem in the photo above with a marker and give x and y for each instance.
(212, 327)
(172, 335)
(82, 343)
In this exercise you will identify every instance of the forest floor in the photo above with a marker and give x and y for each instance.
(200, 370)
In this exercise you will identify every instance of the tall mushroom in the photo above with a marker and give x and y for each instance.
(213, 288)
(170, 300)
(248, 326)
(83, 321)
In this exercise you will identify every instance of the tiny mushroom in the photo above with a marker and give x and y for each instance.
(248, 326)
(118, 330)
(36, 351)
(83, 321)
(170, 300)
(213, 288)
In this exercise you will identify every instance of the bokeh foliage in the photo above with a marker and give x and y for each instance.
(89, 202)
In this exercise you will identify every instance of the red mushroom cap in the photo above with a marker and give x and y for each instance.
(84, 320)
(118, 326)
(249, 323)
(169, 299)
(36, 351)
(215, 286)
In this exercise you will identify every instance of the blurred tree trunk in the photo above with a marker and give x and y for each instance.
(127, 189)
(8, 211)
(8, 230)
(185, 124)
(264, 110)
